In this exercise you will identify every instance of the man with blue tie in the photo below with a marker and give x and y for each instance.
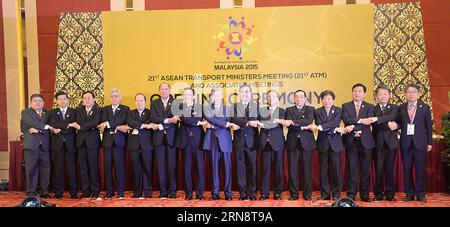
(329, 143)
(189, 137)
(140, 147)
(164, 141)
(115, 129)
(88, 142)
(386, 143)
(36, 145)
(245, 115)
(271, 144)
(218, 142)
(415, 141)
(63, 146)
(300, 144)
(358, 142)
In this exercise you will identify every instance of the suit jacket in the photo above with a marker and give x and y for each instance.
(381, 131)
(67, 134)
(88, 132)
(188, 129)
(303, 118)
(246, 135)
(423, 133)
(144, 137)
(30, 119)
(219, 120)
(349, 118)
(158, 115)
(111, 135)
(271, 132)
(328, 138)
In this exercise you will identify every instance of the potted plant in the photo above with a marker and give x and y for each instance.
(446, 153)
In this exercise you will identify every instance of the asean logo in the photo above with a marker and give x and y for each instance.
(235, 38)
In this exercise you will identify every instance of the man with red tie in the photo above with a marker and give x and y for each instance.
(415, 141)
(358, 142)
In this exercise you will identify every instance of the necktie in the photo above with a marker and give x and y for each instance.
(411, 112)
(114, 110)
(382, 108)
(63, 113)
(357, 109)
(165, 105)
(39, 114)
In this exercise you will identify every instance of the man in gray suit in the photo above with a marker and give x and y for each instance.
(33, 124)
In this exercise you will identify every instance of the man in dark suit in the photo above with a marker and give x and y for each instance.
(140, 147)
(36, 145)
(218, 142)
(271, 144)
(358, 142)
(114, 128)
(63, 146)
(245, 115)
(189, 137)
(300, 144)
(88, 142)
(415, 141)
(329, 143)
(386, 143)
(164, 141)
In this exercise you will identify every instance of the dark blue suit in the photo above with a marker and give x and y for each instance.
(414, 147)
(300, 144)
(386, 143)
(189, 139)
(245, 144)
(358, 149)
(63, 150)
(330, 146)
(36, 150)
(88, 142)
(219, 144)
(114, 142)
(164, 143)
(271, 143)
(141, 151)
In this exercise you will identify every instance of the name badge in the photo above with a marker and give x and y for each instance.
(410, 130)
(135, 132)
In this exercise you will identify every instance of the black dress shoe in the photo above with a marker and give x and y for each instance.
(421, 198)
(214, 197)
(74, 196)
(325, 198)
(173, 195)
(59, 196)
(264, 197)
(86, 195)
(366, 199)
(188, 197)
(199, 197)
(378, 198)
(293, 197)
(136, 195)
(253, 197)
(408, 198)
(31, 194)
(148, 195)
(308, 198)
(163, 196)
(94, 196)
(121, 196)
(108, 196)
(228, 197)
(277, 197)
(390, 198)
(44, 196)
(243, 197)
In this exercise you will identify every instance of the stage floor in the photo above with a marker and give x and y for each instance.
(10, 199)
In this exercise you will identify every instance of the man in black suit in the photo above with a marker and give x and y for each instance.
(140, 147)
(189, 138)
(88, 142)
(329, 143)
(218, 142)
(386, 143)
(300, 144)
(245, 114)
(114, 128)
(164, 141)
(63, 146)
(271, 144)
(36, 145)
(358, 142)
(415, 141)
